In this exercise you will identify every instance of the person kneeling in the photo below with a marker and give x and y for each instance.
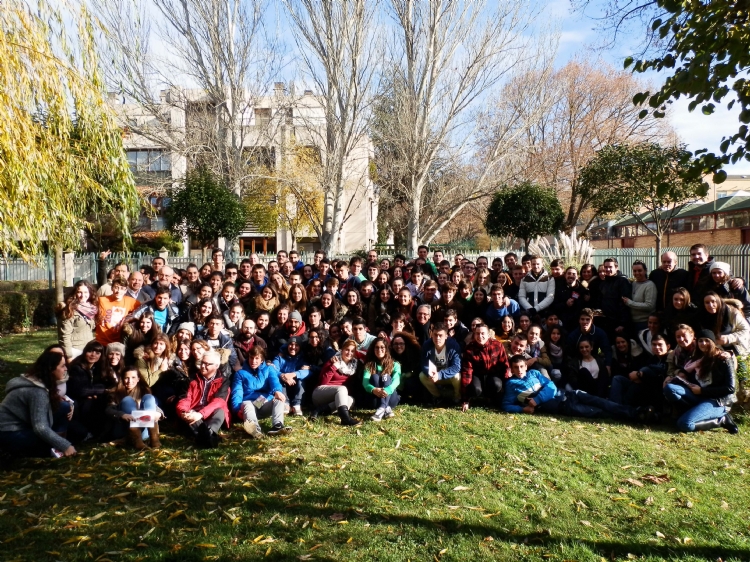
(332, 393)
(132, 393)
(381, 379)
(257, 394)
(204, 408)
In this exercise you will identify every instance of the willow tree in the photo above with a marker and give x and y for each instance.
(61, 155)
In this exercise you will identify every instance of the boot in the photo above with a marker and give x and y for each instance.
(153, 436)
(135, 439)
(319, 411)
(346, 419)
(707, 425)
(729, 424)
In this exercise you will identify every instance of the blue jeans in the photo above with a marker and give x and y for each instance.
(26, 443)
(381, 381)
(701, 409)
(128, 405)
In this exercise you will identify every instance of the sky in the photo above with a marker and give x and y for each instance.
(578, 36)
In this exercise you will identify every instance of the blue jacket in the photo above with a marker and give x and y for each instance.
(287, 364)
(251, 384)
(452, 358)
(495, 315)
(601, 343)
(517, 390)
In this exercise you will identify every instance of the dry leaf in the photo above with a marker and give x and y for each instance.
(337, 517)
(586, 523)
(634, 482)
(660, 535)
(656, 479)
(460, 488)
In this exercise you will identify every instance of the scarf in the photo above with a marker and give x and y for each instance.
(86, 309)
(344, 368)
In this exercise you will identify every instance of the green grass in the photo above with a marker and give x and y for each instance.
(427, 485)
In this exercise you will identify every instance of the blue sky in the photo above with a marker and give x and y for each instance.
(578, 35)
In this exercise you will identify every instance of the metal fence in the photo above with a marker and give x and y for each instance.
(85, 266)
(738, 257)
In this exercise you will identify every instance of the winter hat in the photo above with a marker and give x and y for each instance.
(724, 266)
(189, 326)
(707, 334)
(116, 347)
(293, 339)
(295, 316)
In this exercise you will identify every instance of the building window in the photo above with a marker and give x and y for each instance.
(262, 117)
(149, 166)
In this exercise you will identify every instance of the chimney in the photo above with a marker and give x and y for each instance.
(278, 87)
(308, 92)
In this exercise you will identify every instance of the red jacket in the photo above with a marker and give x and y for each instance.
(218, 394)
(330, 375)
(481, 361)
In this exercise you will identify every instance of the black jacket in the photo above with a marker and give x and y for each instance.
(666, 284)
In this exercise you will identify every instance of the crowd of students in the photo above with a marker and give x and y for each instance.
(206, 347)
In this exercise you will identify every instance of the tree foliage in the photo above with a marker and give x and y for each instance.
(61, 155)
(645, 181)
(205, 209)
(525, 211)
(707, 59)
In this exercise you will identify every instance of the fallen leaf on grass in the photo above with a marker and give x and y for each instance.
(337, 517)
(206, 545)
(460, 488)
(660, 535)
(656, 479)
(586, 523)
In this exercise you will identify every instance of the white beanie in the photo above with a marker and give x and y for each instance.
(724, 266)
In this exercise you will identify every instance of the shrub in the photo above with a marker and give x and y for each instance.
(38, 306)
(23, 286)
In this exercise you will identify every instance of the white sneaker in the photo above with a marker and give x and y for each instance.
(296, 410)
(378, 415)
(389, 413)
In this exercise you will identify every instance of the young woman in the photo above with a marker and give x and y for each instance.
(381, 378)
(314, 291)
(535, 347)
(683, 312)
(506, 332)
(139, 334)
(397, 273)
(77, 320)
(728, 324)
(589, 373)
(385, 264)
(720, 284)
(524, 323)
(317, 351)
(382, 280)
(28, 427)
(332, 310)
(307, 275)
(298, 299)
(155, 361)
(587, 273)
(233, 318)
(280, 284)
(456, 277)
(333, 394)
(263, 324)
(205, 272)
(407, 352)
(281, 315)
(114, 365)
(86, 387)
(623, 360)
(706, 386)
(134, 394)
(382, 303)
(555, 344)
(173, 384)
(267, 300)
(201, 313)
(405, 304)
(354, 303)
(476, 306)
(483, 280)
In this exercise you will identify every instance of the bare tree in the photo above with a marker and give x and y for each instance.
(447, 57)
(196, 70)
(339, 53)
(593, 108)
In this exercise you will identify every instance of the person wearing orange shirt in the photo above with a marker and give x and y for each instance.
(113, 310)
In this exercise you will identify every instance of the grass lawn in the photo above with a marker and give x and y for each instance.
(427, 485)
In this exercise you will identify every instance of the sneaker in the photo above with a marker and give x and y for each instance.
(729, 424)
(252, 429)
(296, 410)
(389, 413)
(280, 429)
(378, 415)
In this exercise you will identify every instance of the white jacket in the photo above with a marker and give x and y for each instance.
(537, 293)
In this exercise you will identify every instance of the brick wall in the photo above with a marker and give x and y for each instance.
(715, 237)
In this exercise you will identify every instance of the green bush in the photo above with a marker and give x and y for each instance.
(30, 308)
(23, 286)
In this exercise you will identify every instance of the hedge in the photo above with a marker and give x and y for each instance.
(23, 286)
(36, 305)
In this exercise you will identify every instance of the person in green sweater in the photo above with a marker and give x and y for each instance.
(381, 378)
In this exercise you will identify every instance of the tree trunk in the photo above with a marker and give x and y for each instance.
(412, 233)
(526, 242)
(59, 275)
(658, 247)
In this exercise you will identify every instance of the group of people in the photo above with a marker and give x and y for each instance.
(202, 348)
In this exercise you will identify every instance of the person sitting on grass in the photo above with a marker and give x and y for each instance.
(133, 393)
(333, 392)
(441, 364)
(528, 391)
(215, 337)
(204, 409)
(257, 393)
(293, 372)
(33, 414)
(381, 378)
(484, 367)
(643, 386)
(706, 386)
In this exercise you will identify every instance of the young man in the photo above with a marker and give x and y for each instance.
(484, 367)
(165, 313)
(457, 331)
(273, 267)
(537, 290)
(361, 337)
(256, 394)
(498, 309)
(293, 373)
(112, 312)
(699, 270)
(157, 263)
(204, 409)
(245, 271)
(415, 284)
(295, 261)
(355, 267)
(120, 270)
(587, 330)
(258, 275)
(613, 291)
(644, 386)
(217, 259)
(441, 364)
(215, 337)
(667, 278)
(294, 326)
(429, 293)
(517, 274)
(231, 272)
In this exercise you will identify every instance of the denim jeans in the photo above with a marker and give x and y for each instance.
(701, 409)
(26, 443)
(381, 381)
(128, 406)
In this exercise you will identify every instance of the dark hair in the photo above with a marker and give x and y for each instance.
(517, 359)
(256, 351)
(557, 263)
(93, 345)
(643, 265)
(72, 302)
(216, 251)
(231, 265)
(371, 362)
(218, 274)
(439, 327)
(43, 369)
(358, 321)
(162, 290)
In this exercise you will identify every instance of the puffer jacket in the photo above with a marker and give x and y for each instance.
(251, 384)
(536, 292)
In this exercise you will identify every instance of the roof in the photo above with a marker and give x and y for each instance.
(722, 205)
